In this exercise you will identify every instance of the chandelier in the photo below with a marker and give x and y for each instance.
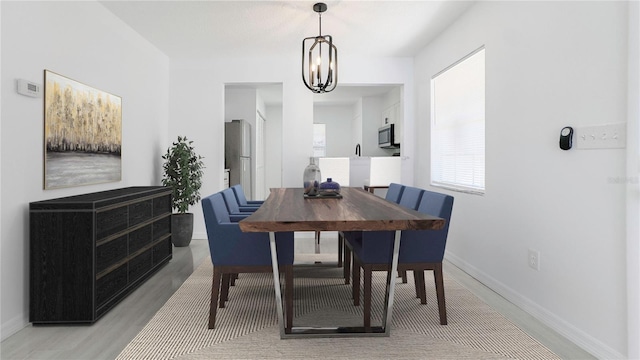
(314, 66)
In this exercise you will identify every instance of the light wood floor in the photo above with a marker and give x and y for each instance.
(108, 336)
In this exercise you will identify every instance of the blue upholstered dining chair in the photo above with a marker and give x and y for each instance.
(420, 250)
(233, 207)
(233, 251)
(236, 213)
(242, 199)
(410, 197)
(394, 193)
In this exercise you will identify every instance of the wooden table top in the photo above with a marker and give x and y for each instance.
(286, 209)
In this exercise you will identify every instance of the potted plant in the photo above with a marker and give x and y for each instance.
(183, 174)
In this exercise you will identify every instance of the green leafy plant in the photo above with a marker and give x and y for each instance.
(183, 173)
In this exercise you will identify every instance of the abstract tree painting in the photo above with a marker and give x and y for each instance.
(83, 134)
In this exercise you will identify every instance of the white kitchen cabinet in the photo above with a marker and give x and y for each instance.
(375, 171)
(391, 115)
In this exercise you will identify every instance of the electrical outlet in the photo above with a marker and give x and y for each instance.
(534, 259)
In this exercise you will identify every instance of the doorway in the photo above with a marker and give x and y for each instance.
(259, 105)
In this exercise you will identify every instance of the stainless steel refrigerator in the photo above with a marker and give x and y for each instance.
(237, 154)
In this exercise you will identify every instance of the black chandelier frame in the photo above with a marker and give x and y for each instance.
(312, 72)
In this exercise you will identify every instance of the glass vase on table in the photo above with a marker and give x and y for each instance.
(311, 178)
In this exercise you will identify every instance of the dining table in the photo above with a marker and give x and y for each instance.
(353, 209)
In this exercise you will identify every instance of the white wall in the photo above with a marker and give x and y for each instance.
(240, 104)
(371, 112)
(83, 41)
(548, 65)
(273, 147)
(356, 125)
(633, 183)
(338, 128)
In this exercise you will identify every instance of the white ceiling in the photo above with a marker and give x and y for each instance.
(213, 28)
(187, 29)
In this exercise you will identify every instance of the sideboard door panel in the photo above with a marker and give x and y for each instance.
(140, 238)
(161, 251)
(111, 283)
(140, 212)
(111, 221)
(110, 253)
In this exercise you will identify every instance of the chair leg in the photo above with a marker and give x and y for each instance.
(234, 277)
(347, 264)
(403, 275)
(340, 247)
(224, 292)
(367, 297)
(355, 287)
(421, 290)
(215, 289)
(442, 308)
(317, 242)
(288, 283)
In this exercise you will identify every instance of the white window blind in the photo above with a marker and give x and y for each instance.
(457, 125)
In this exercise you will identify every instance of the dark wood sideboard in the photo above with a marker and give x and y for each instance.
(87, 252)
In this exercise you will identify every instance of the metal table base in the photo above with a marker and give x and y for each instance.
(323, 332)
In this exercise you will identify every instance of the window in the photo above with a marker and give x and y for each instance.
(319, 140)
(457, 125)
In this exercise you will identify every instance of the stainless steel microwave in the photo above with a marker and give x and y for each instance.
(386, 137)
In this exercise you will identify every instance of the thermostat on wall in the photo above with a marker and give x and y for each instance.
(28, 88)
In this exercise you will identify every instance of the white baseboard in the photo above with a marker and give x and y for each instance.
(12, 326)
(574, 334)
(199, 236)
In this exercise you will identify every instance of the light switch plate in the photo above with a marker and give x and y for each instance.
(609, 136)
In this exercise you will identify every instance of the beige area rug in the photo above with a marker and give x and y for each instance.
(247, 327)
